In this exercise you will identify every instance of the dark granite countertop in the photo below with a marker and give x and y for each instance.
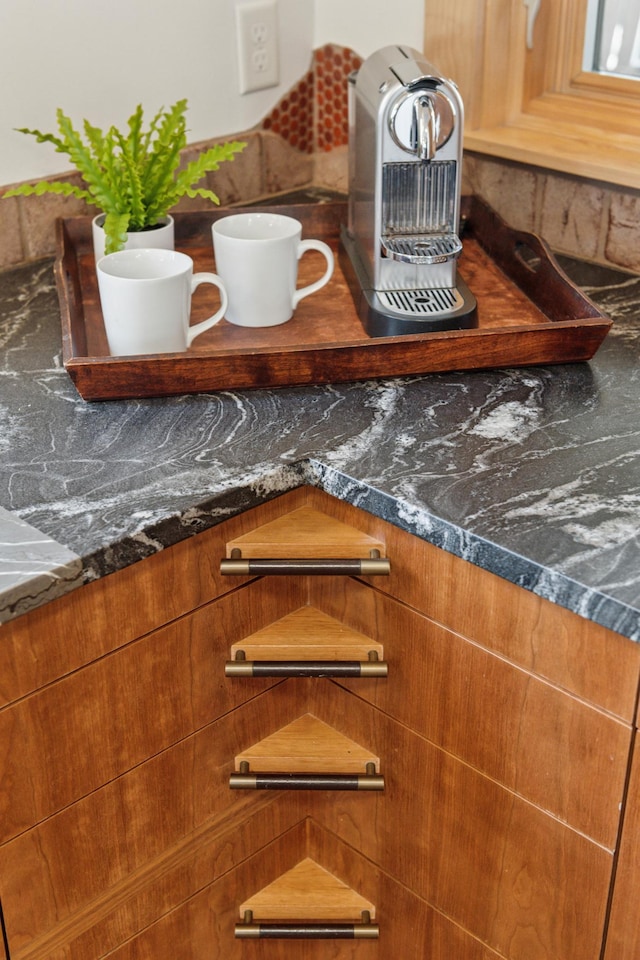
(532, 473)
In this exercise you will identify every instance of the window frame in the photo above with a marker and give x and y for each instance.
(536, 106)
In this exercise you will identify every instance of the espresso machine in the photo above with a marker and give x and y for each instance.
(402, 238)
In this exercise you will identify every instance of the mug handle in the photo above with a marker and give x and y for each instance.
(199, 328)
(327, 253)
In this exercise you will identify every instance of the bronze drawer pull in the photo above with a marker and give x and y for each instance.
(306, 668)
(306, 931)
(237, 566)
(244, 780)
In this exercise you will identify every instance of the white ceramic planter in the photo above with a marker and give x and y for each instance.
(161, 236)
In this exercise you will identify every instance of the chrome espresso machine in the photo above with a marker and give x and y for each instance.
(405, 159)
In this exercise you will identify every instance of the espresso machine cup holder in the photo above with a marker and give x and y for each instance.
(422, 249)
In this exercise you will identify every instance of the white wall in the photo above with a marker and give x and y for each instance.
(367, 25)
(99, 59)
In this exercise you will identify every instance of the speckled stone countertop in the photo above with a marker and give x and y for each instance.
(531, 473)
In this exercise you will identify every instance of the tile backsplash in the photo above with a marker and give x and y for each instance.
(583, 218)
(303, 143)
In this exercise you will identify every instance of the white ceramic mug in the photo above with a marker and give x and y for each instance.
(146, 301)
(257, 258)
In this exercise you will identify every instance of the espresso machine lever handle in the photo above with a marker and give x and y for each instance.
(426, 127)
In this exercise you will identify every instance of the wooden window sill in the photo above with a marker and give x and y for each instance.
(574, 150)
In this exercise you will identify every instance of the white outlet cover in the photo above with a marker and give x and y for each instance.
(257, 40)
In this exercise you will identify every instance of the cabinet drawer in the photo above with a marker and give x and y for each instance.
(596, 664)
(201, 928)
(504, 870)
(409, 926)
(163, 886)
(71, 737)
(66, 634)
(532, 737)
(134, 825)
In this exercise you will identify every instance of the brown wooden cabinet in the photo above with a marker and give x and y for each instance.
(623, 937)
(503, 732)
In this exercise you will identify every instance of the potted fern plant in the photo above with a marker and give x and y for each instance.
(132, 177)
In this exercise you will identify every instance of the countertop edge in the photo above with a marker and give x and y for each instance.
(34, 568)
(54, 570)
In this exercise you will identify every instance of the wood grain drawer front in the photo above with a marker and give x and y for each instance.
(510, 874)
(596, 664)
(118, 834)
(97, 926)
(623, 940)
(201, 927)
(409, 926)
(562, 754)
(66, 634)
(71, 737)
(70, 632)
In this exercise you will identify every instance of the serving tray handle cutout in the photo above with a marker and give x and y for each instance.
(529, 262)
(529, 313)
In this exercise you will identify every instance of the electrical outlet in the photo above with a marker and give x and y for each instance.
(257, 34)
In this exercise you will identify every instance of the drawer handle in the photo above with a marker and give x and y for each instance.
(306, 931)
(350, 567)
(244, 780)
(306, 668)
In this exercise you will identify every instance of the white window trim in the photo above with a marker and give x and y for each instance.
(535, 106)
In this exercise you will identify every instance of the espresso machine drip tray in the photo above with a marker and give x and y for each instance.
(421, 303)
(418, 309)
(396, 313)
(422, 249)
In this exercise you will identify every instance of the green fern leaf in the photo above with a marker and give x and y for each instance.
(90, 169)
(159, 186)
(116, 226)
(135, 134)
(164, 157)
(49, 186)
(201, 192)
(151, 132)
(173, 127)
(59, 144)
(95, 139)
(111, 165)
(131, 174)
(206, 162)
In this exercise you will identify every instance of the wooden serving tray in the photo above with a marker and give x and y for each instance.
(529, 312)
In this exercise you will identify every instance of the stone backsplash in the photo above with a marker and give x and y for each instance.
(583, 218)
(303, 143)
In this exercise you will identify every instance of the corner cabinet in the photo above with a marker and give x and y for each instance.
(379, 751)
